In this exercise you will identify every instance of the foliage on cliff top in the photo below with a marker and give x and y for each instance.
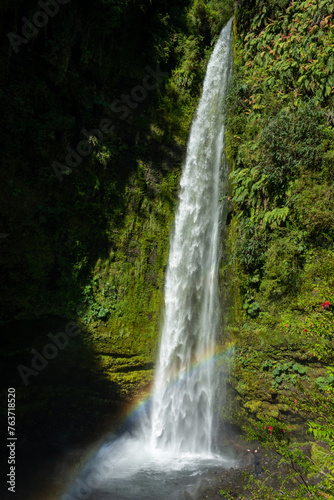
(288, 51)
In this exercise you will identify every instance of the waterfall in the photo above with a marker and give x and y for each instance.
(170, 448)
(184, 389)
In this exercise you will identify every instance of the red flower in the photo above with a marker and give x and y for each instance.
(287, 326)
(290, 433)
(283, 430)
(305, 330)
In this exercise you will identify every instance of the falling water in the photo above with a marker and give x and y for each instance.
(182, 413)
(170, 449)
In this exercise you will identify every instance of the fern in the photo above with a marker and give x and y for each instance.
(275, 217)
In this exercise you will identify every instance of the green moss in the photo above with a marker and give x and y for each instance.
(131, 385)
(253, 406)
(319, 454)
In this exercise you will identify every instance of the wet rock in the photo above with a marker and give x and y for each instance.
(307, 450)
(204, 485)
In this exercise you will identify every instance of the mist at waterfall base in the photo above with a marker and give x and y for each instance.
(170, 447)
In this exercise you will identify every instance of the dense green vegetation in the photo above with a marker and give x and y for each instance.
(280, 263)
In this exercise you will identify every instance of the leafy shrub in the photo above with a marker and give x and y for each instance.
(252, 246)
(288, 372)
(289, 143)
(314, 205)
(326, 384)
(282, 268)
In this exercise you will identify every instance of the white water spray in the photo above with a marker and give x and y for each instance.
(183, 397)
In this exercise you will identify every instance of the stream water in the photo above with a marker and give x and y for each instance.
(172, 447)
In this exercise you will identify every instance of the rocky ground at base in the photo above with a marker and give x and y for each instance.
(235, 482)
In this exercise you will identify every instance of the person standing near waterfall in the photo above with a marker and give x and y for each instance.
(256, 461)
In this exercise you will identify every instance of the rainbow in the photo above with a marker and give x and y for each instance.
(141, 403)
(133, 411)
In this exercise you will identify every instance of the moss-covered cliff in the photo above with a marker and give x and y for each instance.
(279, 269)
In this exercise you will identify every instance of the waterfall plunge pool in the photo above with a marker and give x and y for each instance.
(129, 469)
